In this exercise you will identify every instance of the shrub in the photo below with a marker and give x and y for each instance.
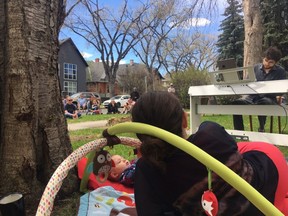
(183, 80)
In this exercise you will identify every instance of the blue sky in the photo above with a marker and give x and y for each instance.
(204, 24)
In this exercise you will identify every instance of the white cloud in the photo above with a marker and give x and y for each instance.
(193, 22)
(122, 61)
(86, 55)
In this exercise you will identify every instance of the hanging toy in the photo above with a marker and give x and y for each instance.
(209, 200)
(209, 203)
(102, 164)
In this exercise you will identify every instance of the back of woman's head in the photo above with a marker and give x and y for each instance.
(163, 110)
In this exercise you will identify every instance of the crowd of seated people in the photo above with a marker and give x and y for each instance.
(92, 106)
(113, 107)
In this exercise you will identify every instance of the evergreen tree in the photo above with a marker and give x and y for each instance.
(230, 41)
(275, 23)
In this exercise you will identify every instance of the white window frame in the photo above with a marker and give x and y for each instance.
(70, 71)
(70, 87)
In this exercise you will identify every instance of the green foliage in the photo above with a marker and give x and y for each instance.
(275, 23)
(226, 100)
(230, 41)
(81, 137)
(183, 80)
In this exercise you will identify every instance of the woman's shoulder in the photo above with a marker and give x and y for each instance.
(145, 165)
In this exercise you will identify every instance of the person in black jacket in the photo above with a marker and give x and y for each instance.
(265, 71)
(112, 107)
(134, 94)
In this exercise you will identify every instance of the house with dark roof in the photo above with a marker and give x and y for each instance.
(98, 82)
(96, 78)
(72, 68)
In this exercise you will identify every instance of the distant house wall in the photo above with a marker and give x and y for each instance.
(102, 88)
(118, 90)
(69, 54)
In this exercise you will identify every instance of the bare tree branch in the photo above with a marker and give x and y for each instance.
(145, 28)
(112, 34)
(167, 17)
(71, 8)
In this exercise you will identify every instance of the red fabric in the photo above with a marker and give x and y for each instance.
(93, 183)
(281, 198)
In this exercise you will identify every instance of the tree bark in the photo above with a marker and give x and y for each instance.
(34, 136)
(253, 32)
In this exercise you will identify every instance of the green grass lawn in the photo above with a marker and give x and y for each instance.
(227, 122)
(84, 118)
(80, 137)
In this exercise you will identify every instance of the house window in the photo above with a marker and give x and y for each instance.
(70, 87)
(70, 71)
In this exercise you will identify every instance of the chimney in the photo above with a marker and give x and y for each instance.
(131, 62)
(97, 60)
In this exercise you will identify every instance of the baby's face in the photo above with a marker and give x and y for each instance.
(120, 164)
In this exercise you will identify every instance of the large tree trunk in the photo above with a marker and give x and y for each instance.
(34, 138)
(253, 32)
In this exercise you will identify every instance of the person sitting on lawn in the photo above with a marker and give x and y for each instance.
(112, 107)
(82, 102)
(64, 100)
(95, 106)
(70, 109)
(128, 106)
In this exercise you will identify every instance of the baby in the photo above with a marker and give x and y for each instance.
(122, 170)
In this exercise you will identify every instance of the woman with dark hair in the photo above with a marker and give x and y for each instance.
(169, 181)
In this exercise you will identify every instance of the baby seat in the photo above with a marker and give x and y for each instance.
(53, 186)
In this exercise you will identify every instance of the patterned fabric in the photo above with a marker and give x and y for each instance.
(128, 176)
(107, 201)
